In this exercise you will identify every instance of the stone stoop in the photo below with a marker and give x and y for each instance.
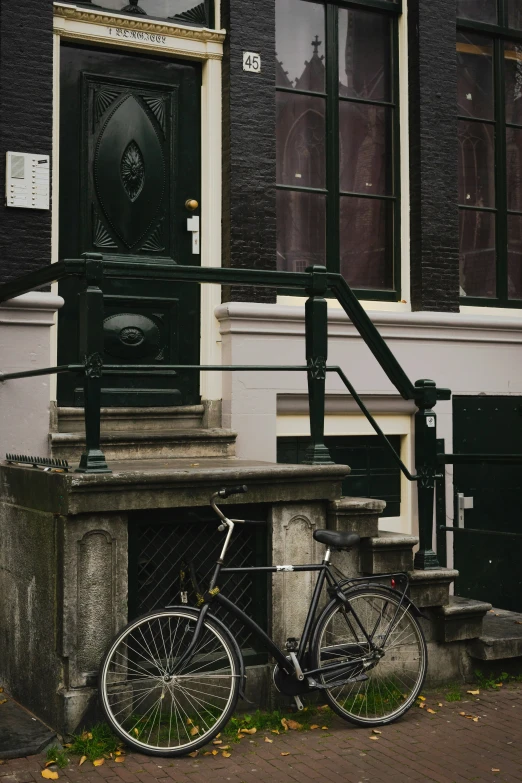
(501, 637)
(387, 552)
(459, 620)
(144, 433)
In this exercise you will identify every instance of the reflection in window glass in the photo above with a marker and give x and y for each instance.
(365, 147)
(513, 71)
(364, 55)
(515, 256)
(366, 242)
(477, 253)
(476, 175)
(301, 230)
(515, 14)
(300, 45)
(300, 140)
(191, 11)
(478, 10)
(514, 168)
(475, 75)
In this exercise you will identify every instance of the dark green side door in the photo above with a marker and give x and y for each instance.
(490, 566)
(129, 160)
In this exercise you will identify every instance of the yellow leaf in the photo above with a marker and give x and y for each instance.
(120, 759)
(275, 731)
(475, 720)
(294, 725)
(422, 705)
(440, 704)
(498, 685)
(217, 742)
(473, 693)
(195, 730)
(1, 690)
(98, 762)
(226, 754)
(248, 731)
(214, 752)
(225, 747)
(48, 763)
(376, 731)
(218, 736)
(493, 769)
(323, 708)
(82, 760)
(324, 728)
(433, 712)
(315, 726)
(3, 701)
(374, 738)
(268, 740)
(118, 753)
(189, 722)
(68, 745)
(136, 732)
(194, 754)
(462, 713)
(285, 754)
(284, 724)
(207, 753)
(422, 698)
(49, 774)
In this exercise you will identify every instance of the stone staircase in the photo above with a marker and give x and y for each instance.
(183, 432)
(460, 632)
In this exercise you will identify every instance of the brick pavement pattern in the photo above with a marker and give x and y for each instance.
(445, 747)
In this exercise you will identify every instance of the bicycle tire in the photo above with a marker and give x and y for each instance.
(393, 682)
(180, 711)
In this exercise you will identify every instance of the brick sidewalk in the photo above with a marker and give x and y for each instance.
(444, 747)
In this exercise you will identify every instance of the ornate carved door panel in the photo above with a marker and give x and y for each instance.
(129, 159)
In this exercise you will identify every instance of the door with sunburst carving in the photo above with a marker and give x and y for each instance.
(129, 160)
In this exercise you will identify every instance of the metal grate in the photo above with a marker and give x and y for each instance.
(161, 542)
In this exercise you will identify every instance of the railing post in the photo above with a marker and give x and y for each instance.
(91, 353)
(426, 465)
(316, 324)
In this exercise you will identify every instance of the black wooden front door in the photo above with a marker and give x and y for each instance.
(129, 160)
(489, 566)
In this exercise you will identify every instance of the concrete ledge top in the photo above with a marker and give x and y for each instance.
(463, 606)
(433, 575)
(149, 435)
(388, 539)
(360, 505)
(167, 483)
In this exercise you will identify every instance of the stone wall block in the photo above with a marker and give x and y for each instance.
(95, 591)
(293, 526)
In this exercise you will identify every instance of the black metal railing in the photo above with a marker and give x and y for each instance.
(316, 283)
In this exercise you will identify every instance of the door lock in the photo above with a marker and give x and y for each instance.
(463, 504)
(193, 227)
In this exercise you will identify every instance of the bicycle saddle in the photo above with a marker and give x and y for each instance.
(337, 540)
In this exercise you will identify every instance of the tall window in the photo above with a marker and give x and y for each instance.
(338, 141)
(489, 59)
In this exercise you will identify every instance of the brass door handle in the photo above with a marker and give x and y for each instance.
(191, 204)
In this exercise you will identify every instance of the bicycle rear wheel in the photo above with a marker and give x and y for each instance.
(155, 702)
(382, 688)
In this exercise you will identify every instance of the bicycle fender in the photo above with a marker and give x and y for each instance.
(339, 595)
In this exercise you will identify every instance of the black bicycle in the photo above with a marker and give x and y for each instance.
(170, 680)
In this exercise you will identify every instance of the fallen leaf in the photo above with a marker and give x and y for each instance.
(1, 690)
(498, 685)
(440, 704)
(98, 762)
(493, 769)
(315, 726)
(323, 708)
(376, 731)
(422, 698)
(136, 732)
(225, 747)
(195, 730)
(268, 740)
(324, 728)
(195, 753)
(189, 722)
(475, 720)
(118, 753)
(217, 742)
(433, 712)
(473, 693)
(248, 731)
(462, 713)
(3, 701)
(285, 754)
(214, 752)
(50, 774)
(68, 745)
(422, 705)
(294, 725)
(48, 763)
(218, 736)
(518, 622)
(275, 731)
(284, 724)
(120, 759)
(207, 753)
(82, 760)
(226, 755)
(374, 738)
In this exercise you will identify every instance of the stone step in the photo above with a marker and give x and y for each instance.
(431, 588)
(182, 417)
(501, 637)
(138, 445)
(458, 620)
(387, 552)
(357, 515)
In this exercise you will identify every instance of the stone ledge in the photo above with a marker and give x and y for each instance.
(460, 619)
(387, 552)
(182, 417)
(360, 515)
(431, 588)
(501, 637)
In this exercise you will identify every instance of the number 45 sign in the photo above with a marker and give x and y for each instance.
(251, 62)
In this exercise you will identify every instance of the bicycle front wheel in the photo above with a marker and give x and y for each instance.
(376, 687)
(157, 702)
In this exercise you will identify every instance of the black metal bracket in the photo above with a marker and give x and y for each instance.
(38, 462)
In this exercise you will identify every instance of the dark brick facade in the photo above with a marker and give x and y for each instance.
(249, 139)
(433, 155)
(26, 114)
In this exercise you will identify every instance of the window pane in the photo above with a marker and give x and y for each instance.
(300, 45)
(365, 55)
(515, 256)
(365, 148)
(478, 10)
(193, 11)
(513, 168)
(515, 14)
(477, 253)
(301, 230)
(475, 75)
(513, 61)
(367, 242)
(300, 140)
(476, 164)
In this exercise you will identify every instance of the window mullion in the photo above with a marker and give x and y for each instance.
(332, 140)
(500, 171)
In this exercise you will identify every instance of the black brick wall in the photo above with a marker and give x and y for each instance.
(433, 155)
(26, 94)
(249, 139)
